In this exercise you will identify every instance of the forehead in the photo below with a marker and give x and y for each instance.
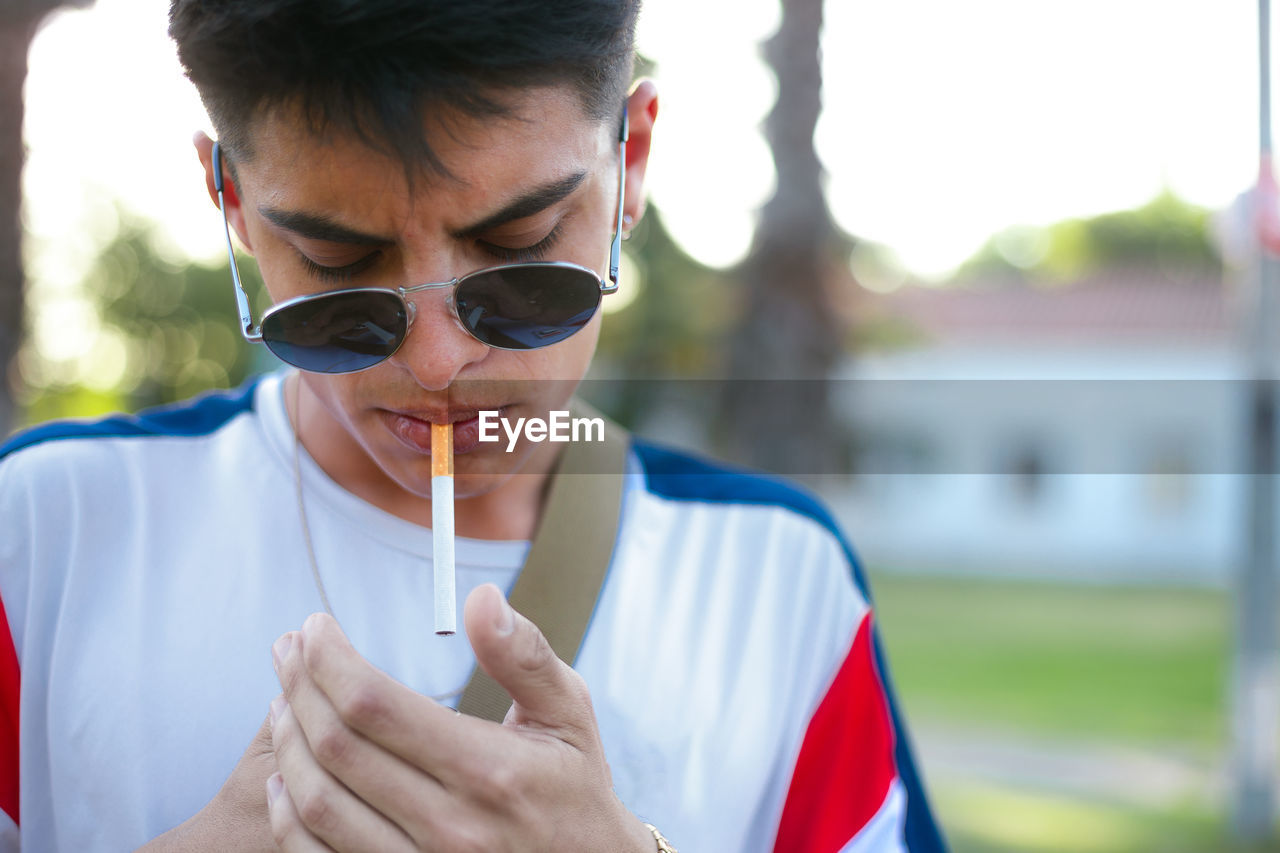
(545, 135)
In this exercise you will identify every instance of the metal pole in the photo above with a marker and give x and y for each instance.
(1256, 686)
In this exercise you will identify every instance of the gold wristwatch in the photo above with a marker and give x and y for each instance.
(664, 846)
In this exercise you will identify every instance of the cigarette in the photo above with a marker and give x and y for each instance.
(442, 527)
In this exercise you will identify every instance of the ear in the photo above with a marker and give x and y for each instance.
(642, 111)
(230, 197)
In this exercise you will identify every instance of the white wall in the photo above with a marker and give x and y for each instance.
(1138, 449)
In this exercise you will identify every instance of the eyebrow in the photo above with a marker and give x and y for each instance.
(322, 228)
(316, 227)
(534, 201)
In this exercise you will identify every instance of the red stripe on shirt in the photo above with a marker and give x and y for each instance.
(9, 686)
(846, 761)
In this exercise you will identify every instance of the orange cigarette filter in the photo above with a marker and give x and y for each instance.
(442, 450)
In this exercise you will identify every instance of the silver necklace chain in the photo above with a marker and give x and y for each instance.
(306, 527)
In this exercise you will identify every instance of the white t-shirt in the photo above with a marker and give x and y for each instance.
(147, 564)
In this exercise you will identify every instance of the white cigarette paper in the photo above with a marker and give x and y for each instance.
(442, 527)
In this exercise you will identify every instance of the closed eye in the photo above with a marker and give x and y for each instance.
(523, 254)
(342, 273)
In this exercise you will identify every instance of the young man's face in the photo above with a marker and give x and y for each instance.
(377, 422)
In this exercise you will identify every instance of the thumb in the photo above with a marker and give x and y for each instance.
(516, 655)
(241, 797)
(260, 750)
(258, 761)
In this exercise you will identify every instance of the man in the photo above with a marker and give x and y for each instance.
(379, 158)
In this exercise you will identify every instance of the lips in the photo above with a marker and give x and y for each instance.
(413, 429)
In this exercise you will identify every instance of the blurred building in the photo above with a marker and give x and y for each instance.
(1092, 430)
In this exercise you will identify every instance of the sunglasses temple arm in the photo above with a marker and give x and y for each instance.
(615, 250)
(251, 334)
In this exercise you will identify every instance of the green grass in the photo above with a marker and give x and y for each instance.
(987, 819)
(1135, 665)
(1073, 665)
(1037, 662)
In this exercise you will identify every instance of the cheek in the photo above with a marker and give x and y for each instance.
(273, 268)
(567, 361)
(584, 343)
(336, 394)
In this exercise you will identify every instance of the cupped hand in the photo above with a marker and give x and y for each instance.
(366, 764)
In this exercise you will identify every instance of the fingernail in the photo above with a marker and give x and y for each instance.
(280, 649)
(506, 621)
(275, 785)
(312, 624)
(277, 708)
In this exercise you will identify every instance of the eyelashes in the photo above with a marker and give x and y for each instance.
(536, 252)
(342, 273)
(506, 254)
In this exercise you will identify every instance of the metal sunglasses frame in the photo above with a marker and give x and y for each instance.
(253, 334)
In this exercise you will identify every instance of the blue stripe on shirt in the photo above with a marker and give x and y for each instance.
(198, 416)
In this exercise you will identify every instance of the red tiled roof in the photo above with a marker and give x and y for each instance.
(1138, 304)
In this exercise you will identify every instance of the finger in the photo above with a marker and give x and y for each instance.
(423, 732)
(323, 805)
(286, 828)
(410, 798)
(511, 649)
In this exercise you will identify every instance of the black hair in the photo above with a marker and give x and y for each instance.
(381, 69)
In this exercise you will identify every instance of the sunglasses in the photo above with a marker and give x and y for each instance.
(514, 306)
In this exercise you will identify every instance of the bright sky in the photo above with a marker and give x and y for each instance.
(945, 122)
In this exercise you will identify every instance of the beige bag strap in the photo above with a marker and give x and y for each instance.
(561, 579)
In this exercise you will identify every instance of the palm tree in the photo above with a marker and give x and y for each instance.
(18, 22)
(776, 404)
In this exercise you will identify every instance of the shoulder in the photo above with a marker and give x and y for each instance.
(73, 493)
(98, 463)
(200, 416)
(817, 603)
(678, 476)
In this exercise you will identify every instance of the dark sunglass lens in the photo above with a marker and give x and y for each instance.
(337, 332)
(526, 307)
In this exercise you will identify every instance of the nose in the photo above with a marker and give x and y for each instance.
(436, 348)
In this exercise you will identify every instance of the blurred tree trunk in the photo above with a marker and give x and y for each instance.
(18, 22)
(776, 409)
(15, 37)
